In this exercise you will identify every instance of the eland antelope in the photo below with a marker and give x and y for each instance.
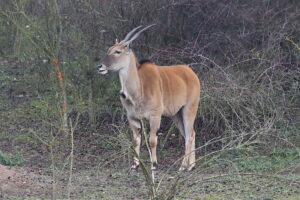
(150, 91)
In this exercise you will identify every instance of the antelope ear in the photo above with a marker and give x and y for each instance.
(117, 41)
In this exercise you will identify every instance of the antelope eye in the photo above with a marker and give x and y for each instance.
(117, 52)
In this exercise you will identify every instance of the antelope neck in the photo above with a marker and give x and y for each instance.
(130, 81)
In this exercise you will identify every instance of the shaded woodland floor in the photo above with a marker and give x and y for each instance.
(102, 158)
(116, 182)
(101, 169)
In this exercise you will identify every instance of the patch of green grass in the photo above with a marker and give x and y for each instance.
(108, 142)
(255, 161)
(4, 136)
(289, 198)
(11, 159)
(25, 138)
(275, 161)
(247, 186)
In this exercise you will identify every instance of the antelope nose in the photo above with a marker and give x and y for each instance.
(99, 66)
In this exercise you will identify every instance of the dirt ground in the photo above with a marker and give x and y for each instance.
(94, 183)
(21, 180)
(115, 181)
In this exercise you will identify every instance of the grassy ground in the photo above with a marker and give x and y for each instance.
(102, 159)
(117, 182)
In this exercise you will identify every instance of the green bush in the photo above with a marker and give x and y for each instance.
(11, 159)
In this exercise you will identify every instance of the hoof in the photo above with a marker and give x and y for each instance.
(191, 168)
(181, 169)
(154, 166)
(187, 168)
(134, 167)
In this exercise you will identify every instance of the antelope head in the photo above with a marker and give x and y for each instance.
(118, 55)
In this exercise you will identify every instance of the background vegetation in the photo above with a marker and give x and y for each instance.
(246, 54)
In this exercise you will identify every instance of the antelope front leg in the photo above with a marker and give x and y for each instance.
(154, 126)
(136, 143)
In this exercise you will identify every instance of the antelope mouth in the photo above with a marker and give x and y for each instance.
(102, 69)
